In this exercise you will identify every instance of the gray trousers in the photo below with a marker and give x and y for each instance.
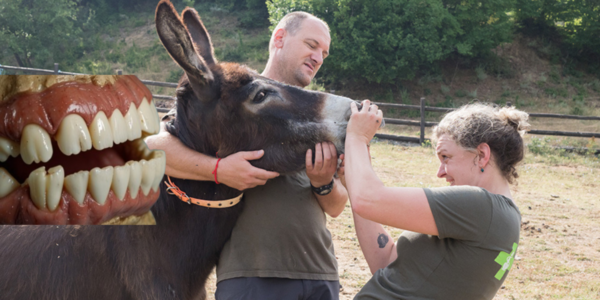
(258, 288)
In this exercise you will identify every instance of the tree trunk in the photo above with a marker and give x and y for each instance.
(19, 62)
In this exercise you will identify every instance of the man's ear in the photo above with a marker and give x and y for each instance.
(279, 37)
(484, 154)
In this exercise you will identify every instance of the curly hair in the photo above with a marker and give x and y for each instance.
(502, 128)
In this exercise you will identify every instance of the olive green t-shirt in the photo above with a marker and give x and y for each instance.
(280, 233)
(470, 259)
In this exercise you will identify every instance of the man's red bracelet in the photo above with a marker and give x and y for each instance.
(215, 171)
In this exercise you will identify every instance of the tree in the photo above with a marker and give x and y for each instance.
(39, 32)
(576, 23)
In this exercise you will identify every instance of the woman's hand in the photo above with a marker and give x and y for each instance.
(364, 123)
(341, 171)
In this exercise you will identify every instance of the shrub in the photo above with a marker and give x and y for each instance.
(460, 93)
(480, 72)
(575, 22)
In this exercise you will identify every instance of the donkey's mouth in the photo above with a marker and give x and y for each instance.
(71, 149)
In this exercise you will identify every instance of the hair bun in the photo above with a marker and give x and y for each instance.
(515, 118)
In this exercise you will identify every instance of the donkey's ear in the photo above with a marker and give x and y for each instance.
(177, 41)
(199, 35)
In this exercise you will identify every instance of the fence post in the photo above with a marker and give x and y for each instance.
(119, 72)
(508, 104)
(422, 138)
(56, 68)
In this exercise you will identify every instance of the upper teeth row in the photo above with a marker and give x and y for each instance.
(74, 136)
(45, 188)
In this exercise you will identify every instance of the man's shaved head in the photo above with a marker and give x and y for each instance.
(292, 23)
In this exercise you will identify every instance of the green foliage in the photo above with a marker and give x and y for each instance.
(575, 22)
(255, 49)
(460, 93)
(385, 41)
(314, 86)
(39, 33)
(405, 95)
(473, 94)
(444, 89)
(540, 146)
(480, 72)
(137, 58)
(175, 75)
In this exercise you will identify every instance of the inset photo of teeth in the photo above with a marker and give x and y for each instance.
(72, 150)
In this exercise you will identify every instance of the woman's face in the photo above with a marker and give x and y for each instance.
(457, 165)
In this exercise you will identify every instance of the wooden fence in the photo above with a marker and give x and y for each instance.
(422, 108)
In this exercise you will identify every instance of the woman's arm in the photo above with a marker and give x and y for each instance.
(377, 245)
(404, 208)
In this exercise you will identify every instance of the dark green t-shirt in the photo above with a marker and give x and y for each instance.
(281, 233)
(470, 259)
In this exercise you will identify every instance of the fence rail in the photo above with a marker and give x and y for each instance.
(422, 107)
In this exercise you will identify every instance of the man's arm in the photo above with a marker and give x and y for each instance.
(321, 173)
(234, 170)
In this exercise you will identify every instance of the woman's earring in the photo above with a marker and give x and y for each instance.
(481, 170)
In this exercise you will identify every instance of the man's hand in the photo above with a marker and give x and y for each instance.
(321, 172)
(341, 171)
(236, 171)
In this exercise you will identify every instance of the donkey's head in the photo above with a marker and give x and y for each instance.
(225, 107)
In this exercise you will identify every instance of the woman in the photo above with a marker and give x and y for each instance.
(459, 241)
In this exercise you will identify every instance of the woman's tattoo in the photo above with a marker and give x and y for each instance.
(382, 240)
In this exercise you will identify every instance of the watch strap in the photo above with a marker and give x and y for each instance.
(323, 190)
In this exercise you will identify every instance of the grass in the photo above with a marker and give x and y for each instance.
(555, 194)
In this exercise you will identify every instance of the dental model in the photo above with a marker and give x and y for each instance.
(72, 149)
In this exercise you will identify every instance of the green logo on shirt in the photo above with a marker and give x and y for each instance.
(505, 260)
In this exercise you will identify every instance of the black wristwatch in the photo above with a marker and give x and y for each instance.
(323, 190)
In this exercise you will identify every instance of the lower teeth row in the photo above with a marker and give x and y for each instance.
(45, 188)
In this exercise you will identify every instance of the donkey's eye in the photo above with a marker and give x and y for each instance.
(260, 97)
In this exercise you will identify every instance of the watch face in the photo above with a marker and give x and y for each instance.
(325, 192)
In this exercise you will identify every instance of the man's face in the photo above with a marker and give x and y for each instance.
(303, 53)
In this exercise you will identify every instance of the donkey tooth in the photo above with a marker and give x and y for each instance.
(8, 147)
(7, 183)
(35, 144)
(76, 184)
(160, 164)
(73, 135)
(147, 119)
(99, 183)
(118, 125)
(132, 121)
(135, 178)
(54, 186)
(101, 132)
(37, 187)
(120, 181)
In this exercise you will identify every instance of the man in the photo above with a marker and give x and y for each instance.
(280, 247)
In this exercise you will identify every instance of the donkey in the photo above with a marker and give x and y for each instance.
(222, 108)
